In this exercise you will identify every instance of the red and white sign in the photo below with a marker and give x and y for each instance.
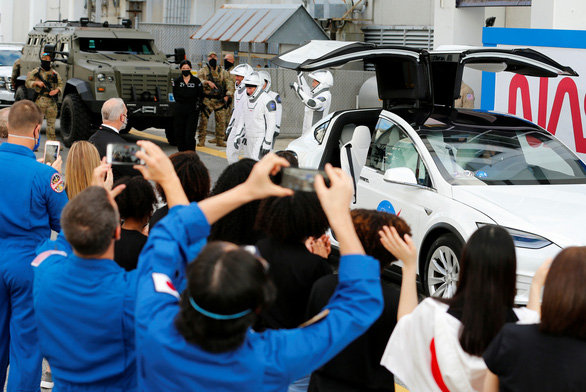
(556, 104)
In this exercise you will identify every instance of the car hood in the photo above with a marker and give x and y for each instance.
(555, 212)
(5, 71)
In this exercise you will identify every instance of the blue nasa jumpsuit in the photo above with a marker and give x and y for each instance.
(85, 314)
(267, 361)
(30, 206)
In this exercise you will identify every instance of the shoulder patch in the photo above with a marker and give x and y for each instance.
(321, 99)
(44, 255)
(271, 106)
(278, 98)
(163, 284)
(470, 97)
(57, 183)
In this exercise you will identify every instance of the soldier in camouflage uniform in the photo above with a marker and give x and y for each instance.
(47, 85)
(229, 66)
(217, 97)
(15, 71)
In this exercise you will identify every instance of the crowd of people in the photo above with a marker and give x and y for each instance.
(236, 286)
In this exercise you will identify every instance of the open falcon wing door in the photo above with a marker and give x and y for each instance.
(447, 65)
(403, 74)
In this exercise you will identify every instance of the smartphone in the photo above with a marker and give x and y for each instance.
(301, 179)
(51, 151)
(123, 154)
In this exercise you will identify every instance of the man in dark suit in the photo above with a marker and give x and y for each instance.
(114, 118)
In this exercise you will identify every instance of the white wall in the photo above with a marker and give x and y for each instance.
(558, 14)
(401, 12)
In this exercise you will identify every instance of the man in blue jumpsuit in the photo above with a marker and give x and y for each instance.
(267, 361)
(30, 206)
(84, 301)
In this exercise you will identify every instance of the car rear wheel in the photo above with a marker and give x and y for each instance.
(75, 120)
(442, 266)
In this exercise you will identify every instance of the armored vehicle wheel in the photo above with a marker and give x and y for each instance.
(75, 120)
(20, 94)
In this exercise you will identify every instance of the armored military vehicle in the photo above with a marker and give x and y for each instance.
(99, 61)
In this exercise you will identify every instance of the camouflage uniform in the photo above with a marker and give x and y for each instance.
(15, 72)
(214, 103)
(232, 81)
(45, 102)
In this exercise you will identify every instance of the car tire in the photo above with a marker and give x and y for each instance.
(75, 120)
(442, 266)
(20, 94)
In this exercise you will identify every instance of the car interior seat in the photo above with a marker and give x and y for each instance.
(353, 153)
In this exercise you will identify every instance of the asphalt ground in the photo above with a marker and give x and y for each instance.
(213, 157)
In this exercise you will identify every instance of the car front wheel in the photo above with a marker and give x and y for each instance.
(442, 266)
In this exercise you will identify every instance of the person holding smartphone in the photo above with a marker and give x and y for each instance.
(188, 93)
(28, 213)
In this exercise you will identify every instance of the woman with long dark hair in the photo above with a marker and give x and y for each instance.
(438, 345)
(549, 356)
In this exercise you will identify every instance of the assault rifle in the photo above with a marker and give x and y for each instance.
(219, 92)
(48, 88)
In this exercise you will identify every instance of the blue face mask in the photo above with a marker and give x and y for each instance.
(38, 142)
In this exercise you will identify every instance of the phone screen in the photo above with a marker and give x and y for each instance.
(301, 179)
(123, 154)
(51, 152)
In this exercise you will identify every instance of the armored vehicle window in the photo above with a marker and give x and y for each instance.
(133, 46)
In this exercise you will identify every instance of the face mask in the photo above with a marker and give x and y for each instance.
(37, 141)
(212, 63)
(124, 123)
(46, 65)
(186, 72)
(227, 64)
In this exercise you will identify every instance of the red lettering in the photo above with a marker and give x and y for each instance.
(542, 109)
(519, 82)
(568, 87)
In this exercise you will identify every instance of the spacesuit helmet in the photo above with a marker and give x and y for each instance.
(255, 80)
(325, 79)
(241, 70)
(267, 78)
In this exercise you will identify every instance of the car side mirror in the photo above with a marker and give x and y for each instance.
(402, 175)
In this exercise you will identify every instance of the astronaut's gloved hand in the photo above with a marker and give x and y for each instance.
(294, 85)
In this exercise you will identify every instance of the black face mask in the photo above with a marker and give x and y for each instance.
(186, 72)
(228, 64)
(46, 65)
(213, 63)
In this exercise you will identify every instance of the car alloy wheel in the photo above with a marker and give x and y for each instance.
(442, 268)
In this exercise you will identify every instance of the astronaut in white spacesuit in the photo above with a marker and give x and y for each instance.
(275, 97)
(235, 129)
(317, 98)
(260, 118)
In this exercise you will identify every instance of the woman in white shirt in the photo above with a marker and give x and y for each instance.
(438, 345)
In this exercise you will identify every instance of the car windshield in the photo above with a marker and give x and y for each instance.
(502, 157)
(111, 45)
(8, 57)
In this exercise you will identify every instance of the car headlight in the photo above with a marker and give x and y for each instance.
(101, 77)
(523, 239)
(110, 79)
(2, 82)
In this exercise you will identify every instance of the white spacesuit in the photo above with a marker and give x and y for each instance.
(275, 97)
(317, 98)
(235, 129)
(260, 118)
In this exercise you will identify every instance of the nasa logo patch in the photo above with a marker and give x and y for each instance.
(470, 97)
(57, 183)
(278, 98)
(272, 106)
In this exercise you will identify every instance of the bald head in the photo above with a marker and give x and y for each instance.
(113, 109)
(4, 122)
(23, 118)
(229, 57)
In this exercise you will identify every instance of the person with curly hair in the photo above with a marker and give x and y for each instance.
(237, 226)
(357, 367)
(136, 204)
(194, 177)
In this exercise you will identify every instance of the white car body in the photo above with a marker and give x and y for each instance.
(8, 54)
(543, 218)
